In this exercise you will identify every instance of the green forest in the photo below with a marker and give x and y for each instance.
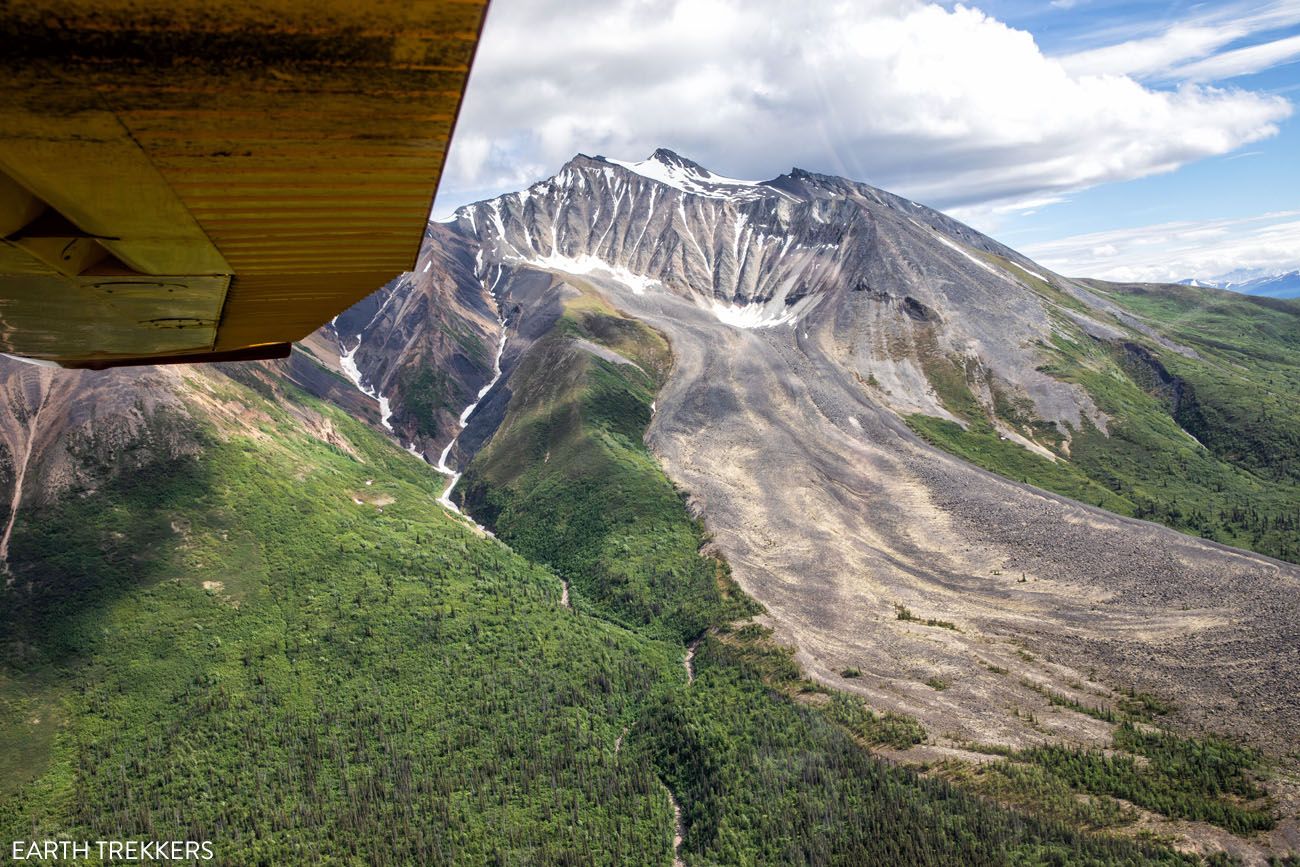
(288, 648)
(770, 767)
(1203, 415)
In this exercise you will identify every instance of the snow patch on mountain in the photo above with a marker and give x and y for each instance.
(590, 266)
(686, 176)
(453, 475)
(980, 262)
(347, 361)
(754, 315)
(1029, 272)
(1269, 284)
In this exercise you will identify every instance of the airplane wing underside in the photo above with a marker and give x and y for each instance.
(204, 180)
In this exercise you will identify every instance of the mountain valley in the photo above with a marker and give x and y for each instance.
(946, 533)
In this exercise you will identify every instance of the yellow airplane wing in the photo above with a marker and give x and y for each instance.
(192, 180)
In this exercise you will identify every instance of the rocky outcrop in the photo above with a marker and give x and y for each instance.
(1176, 393)
(805, 314)
(68, 432)
(764, 254)
(423, 345)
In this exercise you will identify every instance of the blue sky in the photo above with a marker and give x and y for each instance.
(1134, 140)
(1242, 186)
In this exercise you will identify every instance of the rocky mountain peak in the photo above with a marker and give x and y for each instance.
(672, 158)
(767, 254)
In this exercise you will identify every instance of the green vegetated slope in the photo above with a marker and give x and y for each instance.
(1205, 779)
(567, 481)
(426, 388)
(233, 649)
(1206, 443)
(769, 768)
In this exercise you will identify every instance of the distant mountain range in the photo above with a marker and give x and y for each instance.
(1284, 285)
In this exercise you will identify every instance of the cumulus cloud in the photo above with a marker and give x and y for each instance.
(948, 106)
(1205, 250)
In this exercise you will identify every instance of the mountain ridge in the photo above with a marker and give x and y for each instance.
(895, 431)
(1279, 284)
(865, 314)
(764, 259)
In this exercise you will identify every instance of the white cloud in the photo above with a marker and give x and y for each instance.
(1173, 251)
(1186, 50)
(950, 107)
(1153, 54)
(1243, 61)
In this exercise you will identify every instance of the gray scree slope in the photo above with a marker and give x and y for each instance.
(779, 298)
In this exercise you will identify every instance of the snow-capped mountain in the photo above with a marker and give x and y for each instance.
(821, 331)
(812, 321)
(1284, 284)
(895, 280)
